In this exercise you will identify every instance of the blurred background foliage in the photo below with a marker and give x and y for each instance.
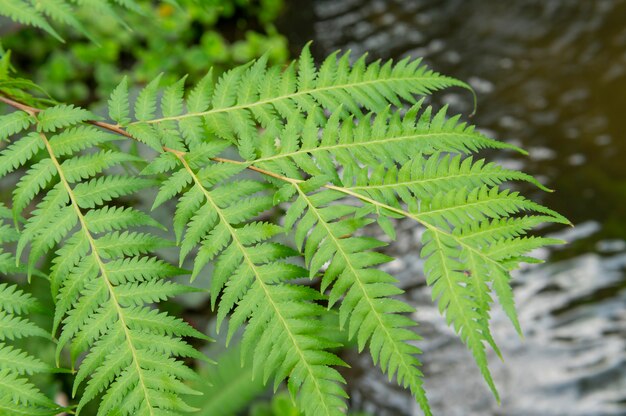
(182, 38)
(177, 38)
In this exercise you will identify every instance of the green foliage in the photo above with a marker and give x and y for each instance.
(179, 37)
(337, 147)
(228, 386)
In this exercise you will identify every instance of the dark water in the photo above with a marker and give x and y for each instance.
(551, 77)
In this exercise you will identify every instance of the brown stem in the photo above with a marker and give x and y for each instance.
(25, 108)
(111, 127)
(119, 130)
(32, 111)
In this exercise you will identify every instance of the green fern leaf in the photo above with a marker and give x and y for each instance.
(145, 106)
(172, 102)
(106, 188)
(381, 144)
(282, 337)
(200, 96)
(252, 95)
(117, 218)
(19, 361)
(372, 316)
(323, 138)
(15, 301)
(419, 165)
(14, 123)
(18, 153)
(454, 295)
(100, 295)
(75, 139)
(30, 184)
(87, 166)
(145, 134)
(118, 104)
(459, 239)
(61, 116)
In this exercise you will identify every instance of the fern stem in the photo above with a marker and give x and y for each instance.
(248, 260)
(33, 110)
(101, 266)
(25, 108)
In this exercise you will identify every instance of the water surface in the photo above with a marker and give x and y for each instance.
(551, 77)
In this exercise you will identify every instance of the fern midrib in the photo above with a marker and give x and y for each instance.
(512, 226)
(375, 142)
(294, 95)
(257, 276)
(482, 297)
(101, 266)
(421, 181)
(417, 219)
(408, 368)
(504, 248)
(431, 212)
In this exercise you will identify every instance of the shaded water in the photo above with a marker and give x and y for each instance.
(551, 77)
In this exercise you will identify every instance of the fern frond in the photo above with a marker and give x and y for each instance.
(418, 164)
(101, 299)
(324, 233)
(380, 142)
(78, 138)
(423, 178)
(255, 95)
(323, 139)
(402, 167)
(118, 106)
(456, 296)
(61, 116)
(459, 263)
(254, 282)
